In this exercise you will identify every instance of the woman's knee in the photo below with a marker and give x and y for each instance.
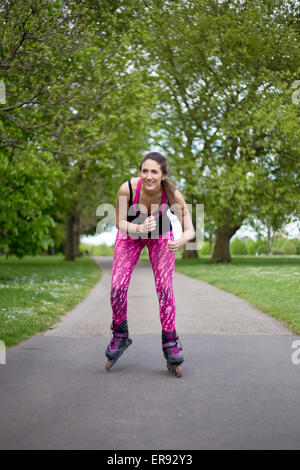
(164, 290)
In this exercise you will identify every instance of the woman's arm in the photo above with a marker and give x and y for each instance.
(122, 211)
(188, 231)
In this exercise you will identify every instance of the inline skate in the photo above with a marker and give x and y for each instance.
(119, 343)
(172, 352)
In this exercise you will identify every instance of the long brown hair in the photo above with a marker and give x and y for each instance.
(169, 187)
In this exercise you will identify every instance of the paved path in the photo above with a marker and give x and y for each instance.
(239, 390)
(200, 307)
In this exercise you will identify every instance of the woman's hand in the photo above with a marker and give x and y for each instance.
(173, 246)
(149, 225)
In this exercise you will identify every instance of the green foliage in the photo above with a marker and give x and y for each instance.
(238, 247)
(57, 234)
(289, 248)
(205, 250)
(92, 86)
(225, 113)
(25, 194)
(72, 99)
(278, 243)
(283, 246)
(261, 247)
(296, 242)
(251, 247)
(97, 250)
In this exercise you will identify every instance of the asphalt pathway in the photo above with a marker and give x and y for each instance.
(239, 389)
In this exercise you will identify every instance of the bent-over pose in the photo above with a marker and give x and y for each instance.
(141, 219)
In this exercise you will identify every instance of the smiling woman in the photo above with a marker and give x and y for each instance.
(143, 221)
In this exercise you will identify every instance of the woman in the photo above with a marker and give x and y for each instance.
(140, 224)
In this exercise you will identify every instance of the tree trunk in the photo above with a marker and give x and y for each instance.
(77, 235)
(72, 237)
(70, 245)
(190, 253)
(270, 239)
(211, 244)
(221, 251)
(269, 244)
(51, 250)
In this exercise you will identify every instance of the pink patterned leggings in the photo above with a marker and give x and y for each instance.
(126, 255)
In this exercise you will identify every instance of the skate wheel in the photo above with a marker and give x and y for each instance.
(108, 365)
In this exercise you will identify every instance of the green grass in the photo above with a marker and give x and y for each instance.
(36, 291)
(271, 284)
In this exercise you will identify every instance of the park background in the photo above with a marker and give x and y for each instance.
(87, 88)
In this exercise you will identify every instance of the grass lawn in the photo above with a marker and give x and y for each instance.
(271, 284)
(36, 291)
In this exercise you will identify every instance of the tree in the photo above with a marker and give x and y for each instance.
(36, 41)
(222, 71)
(73, 100)
(120, 106)
(25, 193)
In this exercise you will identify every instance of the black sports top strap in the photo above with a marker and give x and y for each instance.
(163, 222)
(130, 189)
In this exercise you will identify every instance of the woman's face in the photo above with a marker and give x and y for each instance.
(152, 175)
